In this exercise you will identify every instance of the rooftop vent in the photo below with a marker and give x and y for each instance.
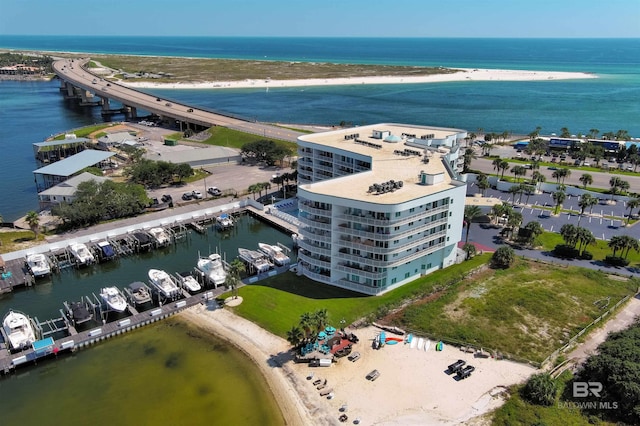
(383, 188)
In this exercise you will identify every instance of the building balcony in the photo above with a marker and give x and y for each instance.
(354, 270)
(306, 245)
(368, 218)
(313, 261)
(314, 223)
(392, 235)
(320, 212)
(415, 254)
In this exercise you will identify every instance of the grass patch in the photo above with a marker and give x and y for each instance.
(84, 131)
(222, 136)
(599, 250)
(276, 303)
(18, 240)
(526, 311)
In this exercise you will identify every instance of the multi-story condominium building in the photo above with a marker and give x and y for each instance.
(379, 205)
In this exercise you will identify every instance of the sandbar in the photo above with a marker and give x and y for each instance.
(463, 74)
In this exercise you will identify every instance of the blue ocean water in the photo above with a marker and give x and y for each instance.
(31, 111)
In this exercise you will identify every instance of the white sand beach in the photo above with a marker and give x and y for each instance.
(413, 388)
(462, 75)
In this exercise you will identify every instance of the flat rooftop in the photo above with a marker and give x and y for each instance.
(386, 163)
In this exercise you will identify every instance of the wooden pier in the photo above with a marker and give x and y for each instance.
(78, 340)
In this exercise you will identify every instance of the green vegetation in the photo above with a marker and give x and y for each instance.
(222, 136)
(518, 412)
(15, 240)
(95, 202)
(84, 132)
(153, 174)
(278, 302)
(265, 151)
(205, 69)
(600, 249)
(496, 309)
(45, 62)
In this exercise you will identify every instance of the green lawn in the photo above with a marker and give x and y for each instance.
(222, 136)
(600, 249)
(277, 303)
(527, 311)
(85, 131)
(16, 240)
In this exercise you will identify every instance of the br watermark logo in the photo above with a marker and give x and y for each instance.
(591, 390)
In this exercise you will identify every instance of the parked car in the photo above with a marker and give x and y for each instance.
(197, 194)
(187, 196)
(190, 110)
(166, 198)
(214, 191)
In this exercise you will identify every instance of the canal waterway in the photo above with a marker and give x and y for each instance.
(154, 373)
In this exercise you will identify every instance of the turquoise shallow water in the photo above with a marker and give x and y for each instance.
(29, 112)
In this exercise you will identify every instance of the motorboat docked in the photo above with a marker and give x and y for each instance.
(274, 253)
(78, 312)
(82, 254)
(163, 282)
(140, 292)
(256, 259)
(160, 235)
(224, 221)
(19, 330)
(113, 298)
(38, 265)
(213, 269)
(189, 282)
(106, 250)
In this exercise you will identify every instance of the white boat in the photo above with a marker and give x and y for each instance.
(19, 331)
(82, 254)
(213, 269)
(160, 235)
(427, 345)
(189, 282)
(224, 221)
(420, 344)
(113, 298)
(38, 264)
(257, 260)
(274, 253)
(163, 282)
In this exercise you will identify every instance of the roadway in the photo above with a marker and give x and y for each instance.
(74, 71)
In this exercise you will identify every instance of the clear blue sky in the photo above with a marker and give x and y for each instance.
(324, 18)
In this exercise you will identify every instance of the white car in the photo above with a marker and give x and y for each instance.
(197, 194)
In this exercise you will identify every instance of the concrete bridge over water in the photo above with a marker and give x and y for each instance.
(78, 82)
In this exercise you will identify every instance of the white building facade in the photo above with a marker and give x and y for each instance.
(379, 206)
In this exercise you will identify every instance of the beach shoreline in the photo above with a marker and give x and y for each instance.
(413, 388)
(463, 74)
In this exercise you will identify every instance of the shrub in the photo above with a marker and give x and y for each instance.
(586, 255)
(503, 257)
(616, 261)
(566, 251)
(540, 389)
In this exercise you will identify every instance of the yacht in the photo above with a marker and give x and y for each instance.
(19, 331)
(189, 282)
(38, 264)
(160, 235)
(212, 268)
(113, 298)
(274, 253)
(224, 221)
(257, 260)
(82, 254)
(163, 282)
(140, 292)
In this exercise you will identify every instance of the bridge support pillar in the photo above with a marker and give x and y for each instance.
(132, 111)
(71, 93)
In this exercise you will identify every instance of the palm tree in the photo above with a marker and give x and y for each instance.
(501, 210)
(236, 269)
(535, 229)
(306, 323)
(629, 243)
(470, 250)
(514, 221)
(569, 233)
(585, 237)
(616, 243)
(504, 165)
(617, 185)
(593, 133)
(559, 198)
(295, 336)
(470, 213)
(482, 182)
(632, 204)
(518, 171)
(469, 155)
(586, 180)
(320, 318)
(556, 175)
(564, 173)
(586, 200)
(514, 190)
(253, 189)
(496, 164)
(33, 220)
